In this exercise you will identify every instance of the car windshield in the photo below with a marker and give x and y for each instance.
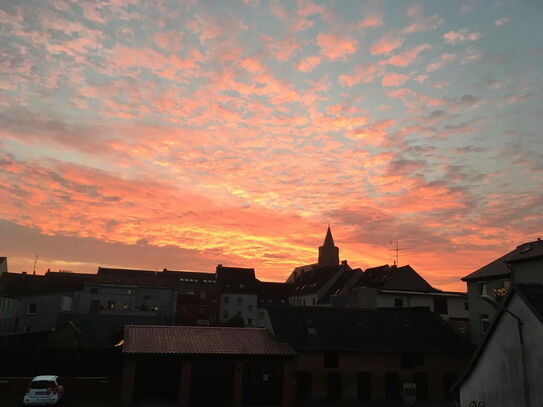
(42, 384)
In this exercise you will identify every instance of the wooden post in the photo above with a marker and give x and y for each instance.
(287, 383)
(238, 383)
(184, 386)
(127, 384)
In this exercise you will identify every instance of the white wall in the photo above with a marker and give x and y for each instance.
(496, 379)
(243, 305)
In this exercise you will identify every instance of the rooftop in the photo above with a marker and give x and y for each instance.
(498, 267)
(192, 340)
(382, 330)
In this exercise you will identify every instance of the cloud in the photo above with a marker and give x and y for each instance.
(386, 44)
(407, 57)
(502, 21)
(440, 62)
(460, 36)
(364, 73)
(335, 47)
(371, 21)
(394, 79)
(419, 23)
(307, 64)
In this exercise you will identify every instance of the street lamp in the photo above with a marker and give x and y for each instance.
(499, 307)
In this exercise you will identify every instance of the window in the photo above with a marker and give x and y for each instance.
(225, 315)
(250, 308)
(111, 305)
(249, 321)
(398, 302)
(238, 314)
(28, 328)
(303, 387)
(226, 299)
(155, 308)
(32, 309)
(363, 386)
(94, 290)
(240, 300)
(214, 299)
(130, 292)
(333, 384)
(313, 302)
(466, 306)
(127, 306)
(241, 286)
(392, 386)
(482, 289)
(441, 306)
(484, 323)
(331, 359)
(202, 295)
(303, 302)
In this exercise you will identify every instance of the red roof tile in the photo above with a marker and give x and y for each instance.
(192, 340)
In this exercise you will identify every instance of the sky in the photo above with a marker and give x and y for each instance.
(184, 134)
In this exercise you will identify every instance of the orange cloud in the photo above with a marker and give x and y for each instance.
(394, 79)
(385, 45)
(407, 57)
(336, 47)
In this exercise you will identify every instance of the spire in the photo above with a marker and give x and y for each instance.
(328, 240)
(328, 252)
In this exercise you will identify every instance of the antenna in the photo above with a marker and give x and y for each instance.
(397, 250)
(35, 261)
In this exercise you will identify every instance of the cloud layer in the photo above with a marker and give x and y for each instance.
(182, 135)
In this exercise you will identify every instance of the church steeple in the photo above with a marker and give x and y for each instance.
(328, 252)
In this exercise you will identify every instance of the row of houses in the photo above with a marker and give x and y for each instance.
(101, 304)
(329, 333)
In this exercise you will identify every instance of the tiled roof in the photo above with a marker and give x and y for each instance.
(311, 281)
(191, 340)
(394, 278)
(338, 285)
(19, 284)
(384, 330)
(499, 267)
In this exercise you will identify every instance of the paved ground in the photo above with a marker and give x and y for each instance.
(102, 393)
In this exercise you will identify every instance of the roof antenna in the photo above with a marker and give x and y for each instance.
(35, 261)
(397, 250)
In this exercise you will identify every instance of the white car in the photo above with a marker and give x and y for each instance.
(44, 391)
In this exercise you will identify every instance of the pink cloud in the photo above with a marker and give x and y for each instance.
(371, 21)
(386, 44)
(336, 47)
(419, 23)
(407, 57)
(441, 61)
(394, 79)
(460, 36)
(307, 64)
(365, 73)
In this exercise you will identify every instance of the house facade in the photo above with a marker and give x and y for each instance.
(506, 369)
(495, 279)
(354, 355)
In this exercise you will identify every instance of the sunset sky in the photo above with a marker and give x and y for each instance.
(183, 134)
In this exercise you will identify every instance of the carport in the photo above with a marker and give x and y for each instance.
(220, 366)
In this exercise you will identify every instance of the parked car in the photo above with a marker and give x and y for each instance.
(44, 391)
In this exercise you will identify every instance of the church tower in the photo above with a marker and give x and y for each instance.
(328, 253)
